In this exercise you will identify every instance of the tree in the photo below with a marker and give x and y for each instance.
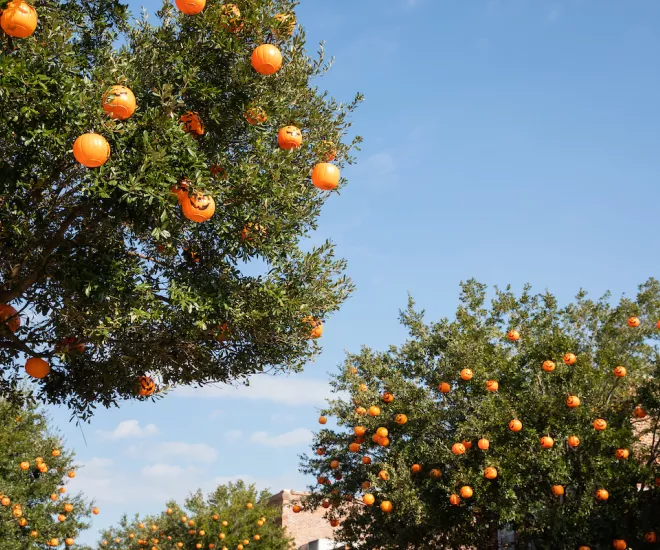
(109, 279)
(233, 516)
(35, 509)
(451, 463)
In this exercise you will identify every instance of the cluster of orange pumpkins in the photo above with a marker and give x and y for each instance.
(92, 150)
(192, 531)
(380, 437)
(67, 507)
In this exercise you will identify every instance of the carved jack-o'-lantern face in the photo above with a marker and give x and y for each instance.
(490, 473)
(466, 374)
(198, 208)
(146, 385)
(289, 137)
(9, 317)
(401, 419)
(620, 372)
(622, 454)
(600, 424)
(192, 123)
(492, 385)
(548, 366)
(633, 321)
(573, 401)
(570, 359)
(388, 397)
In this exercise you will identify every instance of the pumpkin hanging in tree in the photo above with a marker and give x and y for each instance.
(19, 19)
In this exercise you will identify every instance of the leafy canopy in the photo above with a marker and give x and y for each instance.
(103, 257)
(465, 412)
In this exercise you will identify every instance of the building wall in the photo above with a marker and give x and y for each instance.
(305, 526)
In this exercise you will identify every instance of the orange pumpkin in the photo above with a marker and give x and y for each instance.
(401, 419)
(256, 115)
(190, 7)
(366, 460)
(416, 468)
(249, 506)
(24, 465)
(119, 102)
(633, 321)
(388, 397)
(547, 442)
(146, 385)
(69, 541)
(296, 509)
(354, 447)
(490, 473)
(466, 491)
(36, 367)
(548, 366)
(383, 441)
(198, 207)
(230, 17)
(513, 335)
(333, 523)
(317, 327)
(266, 59)
(557, 490)
(454, 500)
(285, 24)
(361, 411)
(458, 448)
(10, 317)
(650, 537)
(622, 454)
(492, 385)
(374, 410)
(368, 499)
(68, 507)
(620, 372)
(466, 374)
(573, 401)
(570, 358)
(192, 124)
(444, 387)
(384, 475)
(657, 325)
(19, 19)
(382, 432)
(600, 424)
(515, 425)
(91, 150)
(325, 176)
(322, 419)
(573, 440)
(386, 506)
(289, 137)
(602, 494)
(359, 430)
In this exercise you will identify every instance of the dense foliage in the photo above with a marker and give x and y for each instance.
(233, 516)
(35, 508)
(429, 462)
(102, 258)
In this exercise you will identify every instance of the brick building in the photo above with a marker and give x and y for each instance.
(309, 530)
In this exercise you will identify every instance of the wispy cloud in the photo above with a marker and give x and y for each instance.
(299, 436)
(234, 435)
(198, 452)
(129, 429)
(167, 471)
(279, 389)
(215, 413)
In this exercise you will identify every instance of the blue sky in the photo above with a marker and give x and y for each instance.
(508, 140)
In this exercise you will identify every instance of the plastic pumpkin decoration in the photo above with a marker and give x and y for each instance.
(91, 150)
(354, 447)
(19, 19)
(382, 432)
(639, 412)
(388, 397)
(384, 475)
(256, 115)
(557, 490)
(547, 442)
(361, 411)
(466, 491)
(444, 387)
(374, 410)
(458, 448)
(620, 372)
(366, 460)
(325, 176)
(573, 440)
(190, 7)
(9, 317)
(386, 506)
(359, 430)
(198, 207)
(492, 385)
(570, 358)
(657, 325)
(192, 124)
(285, 24)
(119, 102)
(573, 401)
(633, 321)
(230, 17)
(490, 473)
(368, 499)
(600, 424)
(602, 495)
(296, 509)
(513, 336)
(483, 444)
(515, 425)
(36, 367)
(317, 327)
(401, 419)
(146, 385)
(416, 468)
(289, 137)
(650, 536)
(622, 454)
(548, 366)
(323, 420)
(454, 500)
(266, 59)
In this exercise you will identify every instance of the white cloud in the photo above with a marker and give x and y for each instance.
(215, 413)
(283, 418)
(199, 452)
(299, 436)
(279, 389)
(168, 471)
(234, 435)
(129, 429)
